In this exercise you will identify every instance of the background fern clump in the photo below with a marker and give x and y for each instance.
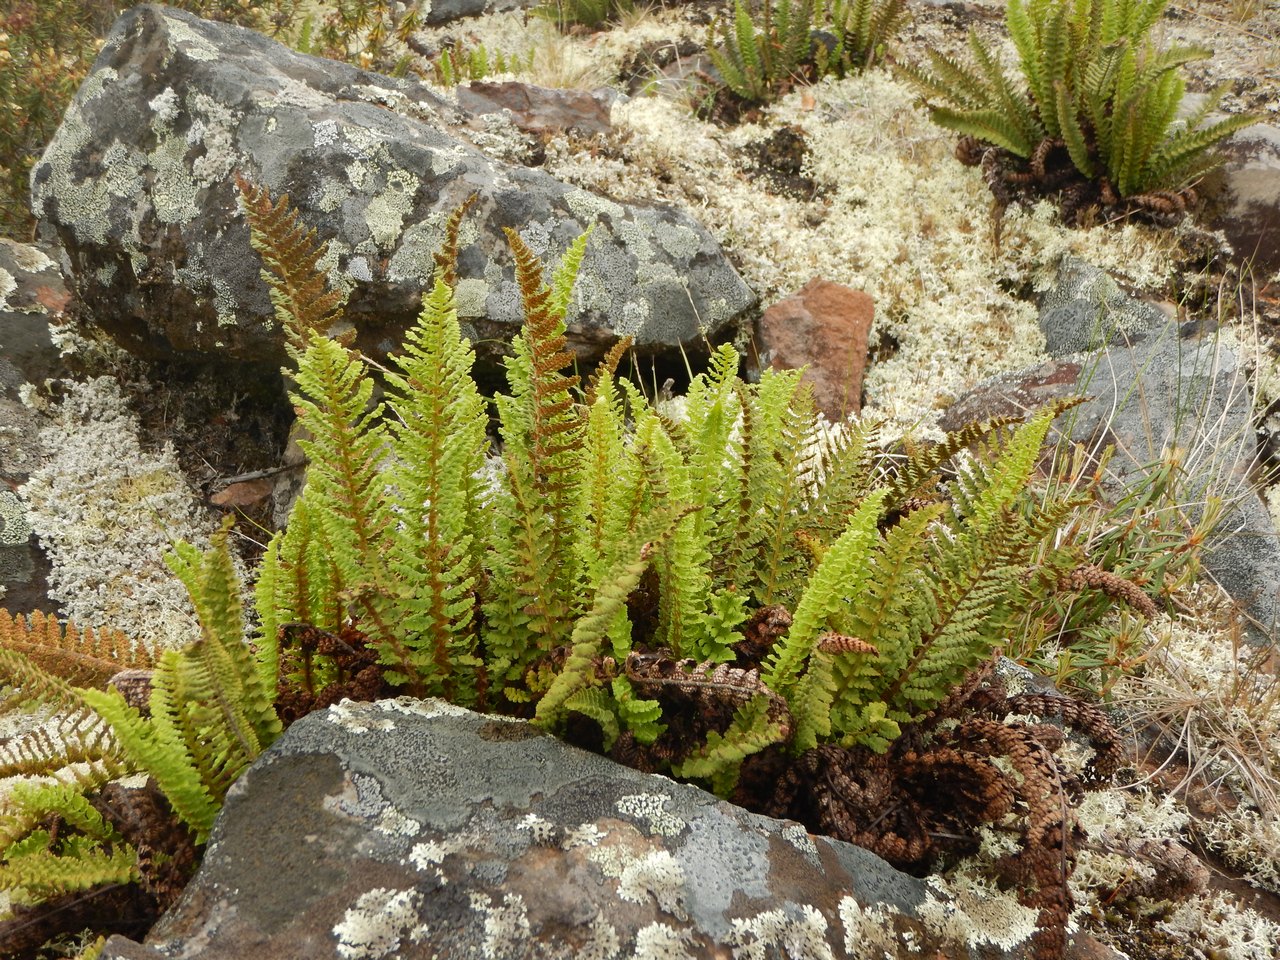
(1095, 91)
(760, 56)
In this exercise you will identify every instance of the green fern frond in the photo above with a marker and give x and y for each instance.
(436, 546)
(610, 597)
(566, 274)
(596, 704)
(35, 875)
(719, 760)
(840, 575)
(992, 125)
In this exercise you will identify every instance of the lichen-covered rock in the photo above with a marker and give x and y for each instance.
(1086, 309)
(443, 11)
(32, 293)
(138, 185)
(415, 829)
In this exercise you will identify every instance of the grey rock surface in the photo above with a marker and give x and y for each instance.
(138, 185)
(415, 829)
(1165, 394)
(1086, 309)
(1244, 197)
(444, 11)
(32, 294)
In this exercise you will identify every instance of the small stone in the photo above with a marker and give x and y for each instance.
(823, 327)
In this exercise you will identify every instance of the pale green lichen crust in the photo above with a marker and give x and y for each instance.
(15, 528)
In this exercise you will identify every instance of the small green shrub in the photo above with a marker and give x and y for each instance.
(1094, 89)
(369, 33)
(591, 14)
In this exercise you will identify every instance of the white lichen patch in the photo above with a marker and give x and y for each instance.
(655, 875)
(107, 511)
(380, 920)
(658, 941)
(15, 528)
(896, 215)
(971, 911)
(583, 835)
(778, 933)
(25, 257)
(541, 831)
(82, 203)
(7, 285)
(429, 708)
(357, 718)
(184, 38)
(429, 855)
(868, 931)
(799, 837)
(506, 926)
(385, 213)
(1219, 927)
(652, 809)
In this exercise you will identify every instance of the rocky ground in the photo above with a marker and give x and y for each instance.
(849, 181)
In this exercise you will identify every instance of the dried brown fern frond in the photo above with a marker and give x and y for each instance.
(83, 658)
(446, 257)
(1088, 576)
(608, 366)
(291, 256)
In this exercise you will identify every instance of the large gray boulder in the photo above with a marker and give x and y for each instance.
(138, 186)
(414, 829)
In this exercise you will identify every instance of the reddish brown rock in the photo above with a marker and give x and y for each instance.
(823, 327)
(538, 109)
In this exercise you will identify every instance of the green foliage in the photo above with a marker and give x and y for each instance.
(46, 48)
(585, 13)
(1092, 83)
(520, 592)
(759, 57)
(369, 33)
(458, 63)
(39, 864)
(209, 714)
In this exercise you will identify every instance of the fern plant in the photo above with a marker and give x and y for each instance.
(759, 58)
(591, 14)
(735, 509)
(190, 720)
(1095, 89)
(458, 63)
(719, 595)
